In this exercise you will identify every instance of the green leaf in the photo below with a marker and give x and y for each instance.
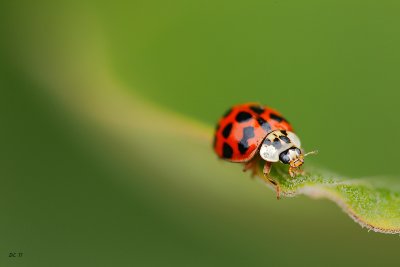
(374, 203)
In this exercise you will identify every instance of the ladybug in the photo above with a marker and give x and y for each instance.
(250, 132)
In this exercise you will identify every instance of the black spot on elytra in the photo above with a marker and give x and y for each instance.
(248, 132)
(243, 116)
(276, 117)
(243, 145)
(226, 114)
(242, 148)
(227, 151)
(285, 139)
(277, 143)
(264, 124)
(257, 109)
(227, 130)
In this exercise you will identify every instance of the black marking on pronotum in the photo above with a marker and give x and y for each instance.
(227, 151)
(227, 130)
(257, 109)
(285, 139)
(276, 117)
(267, 141)
(243, 116)
(243, 145)
(277, 143)
(284, 132)
(264, 124)
(227, 112)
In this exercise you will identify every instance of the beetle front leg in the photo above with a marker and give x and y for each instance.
(294, 171)
(268, 178)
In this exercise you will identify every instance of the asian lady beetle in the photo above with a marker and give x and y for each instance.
(249, 128)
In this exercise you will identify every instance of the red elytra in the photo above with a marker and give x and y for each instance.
(242, 129)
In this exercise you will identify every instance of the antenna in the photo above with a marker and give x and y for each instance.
(311, 153)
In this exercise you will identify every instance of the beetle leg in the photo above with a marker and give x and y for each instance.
(251, 165)
(293, 172)
(248, 165)
(268, 178)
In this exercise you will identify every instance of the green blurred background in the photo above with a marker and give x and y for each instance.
(80, 187)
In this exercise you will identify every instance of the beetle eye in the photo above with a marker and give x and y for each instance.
(284, 157)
